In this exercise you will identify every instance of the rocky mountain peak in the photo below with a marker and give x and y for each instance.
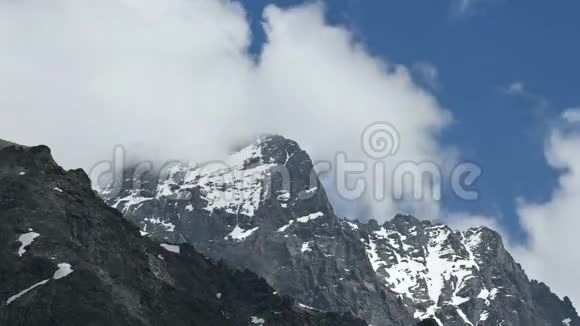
(279, 223)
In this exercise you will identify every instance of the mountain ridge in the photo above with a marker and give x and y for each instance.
(70, 259)
(280, 224)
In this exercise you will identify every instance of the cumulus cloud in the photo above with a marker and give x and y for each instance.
(552, 226)
(325, 89)
(168, 77)
(173, 79)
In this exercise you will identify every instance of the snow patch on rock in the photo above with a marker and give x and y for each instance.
(169, 227)
(130, 202)
(257, 320)
(285, 227)
(20, 294)
(434, 274)
(172, 248)
(239, 234)
(310, 217)
(26, 240)
(64, 270)
(306, 247)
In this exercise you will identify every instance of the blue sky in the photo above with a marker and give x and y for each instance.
(478, 54)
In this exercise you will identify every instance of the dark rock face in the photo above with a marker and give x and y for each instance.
(428, 322)
(266, 211)
(5, 143)
(66, 258)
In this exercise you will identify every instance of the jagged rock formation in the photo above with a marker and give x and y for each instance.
(460, 278)
(66, 258)
(265, 210)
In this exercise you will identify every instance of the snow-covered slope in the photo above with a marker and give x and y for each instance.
(264, 210)
(233, 187)
(464, 278)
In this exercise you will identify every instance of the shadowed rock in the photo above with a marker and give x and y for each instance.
(428, 322)
(67, 259)
(5, 143)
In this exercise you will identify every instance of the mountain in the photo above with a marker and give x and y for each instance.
(265, 210)
(66, 258)
(5, 143)
(461, 278)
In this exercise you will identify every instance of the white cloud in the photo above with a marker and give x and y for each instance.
(516, 88)
(326, 89)
(520, 89)
(82, 76)
(428, 73)
(173, 79)
(553, 226)
(572, 115)
(462, 221)
(466, 7)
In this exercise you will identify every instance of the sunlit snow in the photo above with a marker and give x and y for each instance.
(232, 186)
(413, 272)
